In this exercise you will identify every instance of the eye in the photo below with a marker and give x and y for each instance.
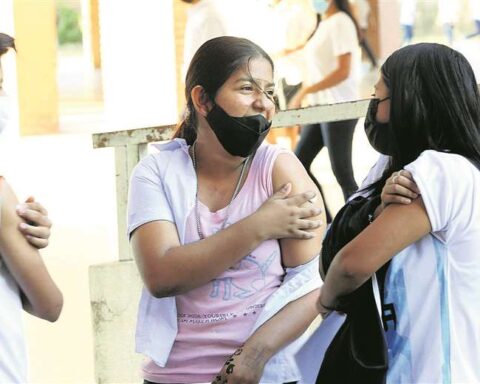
(247, 88)
(270, 92)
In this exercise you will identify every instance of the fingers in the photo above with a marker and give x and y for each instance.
(405, 179)
(37, 242)
(301, 198)
(401, 191)
(309, 224)
(34, 206)
(37, 216)
(31, 230)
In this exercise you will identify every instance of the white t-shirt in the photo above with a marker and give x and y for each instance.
(335, 36)
(408, 12)
(205, 20)
(433, 285)
(363, 8)
(13, 354)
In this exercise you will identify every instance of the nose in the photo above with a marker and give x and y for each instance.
(263, 102)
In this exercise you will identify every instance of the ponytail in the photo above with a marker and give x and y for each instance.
(186, 129)
(6, 42)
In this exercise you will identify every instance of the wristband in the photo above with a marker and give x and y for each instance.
(326, 307)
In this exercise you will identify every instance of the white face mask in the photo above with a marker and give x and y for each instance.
(5, 111)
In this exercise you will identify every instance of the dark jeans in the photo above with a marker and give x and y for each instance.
(477, 30)
(407, 33)
(337, 137)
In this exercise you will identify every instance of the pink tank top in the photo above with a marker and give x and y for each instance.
(215, 319)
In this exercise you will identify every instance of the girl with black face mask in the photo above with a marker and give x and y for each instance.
(425, 116)
(226, 231)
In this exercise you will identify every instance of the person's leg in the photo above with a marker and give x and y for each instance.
(448, 30)
(407, 33)
(477, 30)
(310, 143)
(338, 137)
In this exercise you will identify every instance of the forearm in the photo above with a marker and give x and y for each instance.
(339, 283)
(185, 267)
(286, 326)
(40, 296)
(332, 79)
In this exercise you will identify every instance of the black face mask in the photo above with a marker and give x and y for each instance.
(378, 134)
(240, 136)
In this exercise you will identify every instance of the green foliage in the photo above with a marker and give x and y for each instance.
(68, 25)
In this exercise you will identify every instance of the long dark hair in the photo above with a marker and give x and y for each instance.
(344, 6)
(6, 42)
(213, 63)
(435, 104)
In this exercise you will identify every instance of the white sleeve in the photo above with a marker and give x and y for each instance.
(345, 38)
(146, 197)
(447, 185)
(374, 174)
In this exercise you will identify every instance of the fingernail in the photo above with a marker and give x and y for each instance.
(310, 194)
(407, 201)
(285, 187)
(23, 225)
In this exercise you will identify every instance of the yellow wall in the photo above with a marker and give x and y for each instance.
(95, 31)
(180, 14)
(35, 33)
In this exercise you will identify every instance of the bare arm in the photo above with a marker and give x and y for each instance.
(341, 73)
(294, 319)
(169, 268)
(335, 77)
(41, 297)
(394, 229)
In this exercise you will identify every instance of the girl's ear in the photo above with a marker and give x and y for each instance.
(201, 101)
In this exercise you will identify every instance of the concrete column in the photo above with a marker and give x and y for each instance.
(91, 33)
(138, 63)
(384, 31)
(180, 17)
(115, 293)
(36, 39)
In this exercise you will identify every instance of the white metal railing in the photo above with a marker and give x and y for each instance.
(131, 145)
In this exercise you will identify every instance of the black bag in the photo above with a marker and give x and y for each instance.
(358, 352)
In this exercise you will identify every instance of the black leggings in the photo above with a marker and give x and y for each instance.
(337, 136)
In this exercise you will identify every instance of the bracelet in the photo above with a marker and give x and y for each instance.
(326, 307)
(371, 217)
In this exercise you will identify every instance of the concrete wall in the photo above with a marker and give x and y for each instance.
(115, 293)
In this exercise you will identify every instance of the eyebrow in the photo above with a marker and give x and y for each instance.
(255, 81)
